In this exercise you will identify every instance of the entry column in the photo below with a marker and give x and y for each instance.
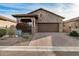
(33, 25)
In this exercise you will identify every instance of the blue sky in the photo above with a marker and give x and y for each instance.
(67, 10)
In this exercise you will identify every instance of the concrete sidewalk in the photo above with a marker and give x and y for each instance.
(26, 53)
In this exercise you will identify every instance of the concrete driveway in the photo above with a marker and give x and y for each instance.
(58, 39)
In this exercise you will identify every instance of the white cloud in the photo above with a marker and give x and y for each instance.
(73, 11)
(69, 13)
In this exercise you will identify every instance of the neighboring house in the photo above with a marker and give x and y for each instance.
(71, 24)
(6, 22)
(41, 20)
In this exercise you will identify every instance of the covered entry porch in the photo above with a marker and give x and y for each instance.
(26, 23)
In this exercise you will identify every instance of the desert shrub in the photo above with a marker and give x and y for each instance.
(10, 32)
(74, 34)
(2, 32)
(26, 36)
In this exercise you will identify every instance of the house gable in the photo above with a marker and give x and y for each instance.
(47, 16)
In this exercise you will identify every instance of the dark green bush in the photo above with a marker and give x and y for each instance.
(74, 34)
(2, 32)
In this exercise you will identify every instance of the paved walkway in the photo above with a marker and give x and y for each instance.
(44, 41)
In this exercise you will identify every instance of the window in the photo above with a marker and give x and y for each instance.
(40, 15)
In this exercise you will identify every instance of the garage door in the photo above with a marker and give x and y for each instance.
(48, 27)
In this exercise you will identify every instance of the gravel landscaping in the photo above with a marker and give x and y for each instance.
(14, 42)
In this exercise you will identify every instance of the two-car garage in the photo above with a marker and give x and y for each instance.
(48, 27)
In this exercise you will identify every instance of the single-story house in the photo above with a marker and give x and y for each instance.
(6, 22)
(41, 20)
(72, 24)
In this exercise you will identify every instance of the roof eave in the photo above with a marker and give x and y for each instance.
(24, 15)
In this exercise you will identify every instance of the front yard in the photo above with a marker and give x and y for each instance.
(11, 37)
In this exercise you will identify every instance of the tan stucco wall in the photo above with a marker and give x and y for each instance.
(6, 23)
(69, 26)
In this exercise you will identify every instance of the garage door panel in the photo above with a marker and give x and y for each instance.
(48, 27)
